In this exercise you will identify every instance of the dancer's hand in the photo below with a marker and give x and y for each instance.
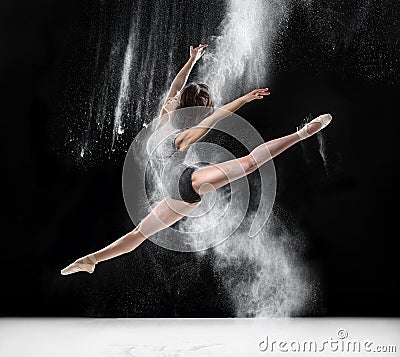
(197, 52)
(256, 94)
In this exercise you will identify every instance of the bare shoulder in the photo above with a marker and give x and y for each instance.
(181, 141)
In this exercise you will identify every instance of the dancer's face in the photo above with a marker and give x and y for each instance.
(172, 103)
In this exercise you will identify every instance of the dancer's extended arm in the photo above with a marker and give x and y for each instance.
(193, 134)
(181, 78)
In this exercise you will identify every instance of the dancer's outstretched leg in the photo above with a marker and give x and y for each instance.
(166, 213)
(213, 177)
(169, 211)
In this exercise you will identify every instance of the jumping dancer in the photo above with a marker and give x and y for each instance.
(189, 183)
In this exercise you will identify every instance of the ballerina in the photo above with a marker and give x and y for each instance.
(187, 183)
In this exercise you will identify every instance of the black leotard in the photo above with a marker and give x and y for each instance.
(175, 174)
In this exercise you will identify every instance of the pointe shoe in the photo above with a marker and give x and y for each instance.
(323, 119)
(85, 264)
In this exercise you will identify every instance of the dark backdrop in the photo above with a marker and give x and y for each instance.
(54, 210)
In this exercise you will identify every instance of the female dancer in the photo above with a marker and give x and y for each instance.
(194, 181)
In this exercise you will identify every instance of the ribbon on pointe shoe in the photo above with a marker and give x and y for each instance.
(87, 265)
(323, 119)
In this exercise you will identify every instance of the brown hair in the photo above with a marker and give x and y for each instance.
(196, 95)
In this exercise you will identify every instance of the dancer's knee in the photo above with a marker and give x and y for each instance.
(130, 241)
(249, 164)
(139, 233)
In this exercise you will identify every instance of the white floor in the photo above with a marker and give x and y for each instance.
(58, 337)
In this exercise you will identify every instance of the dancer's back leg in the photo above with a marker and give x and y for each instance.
(166, 213)
(163, 215)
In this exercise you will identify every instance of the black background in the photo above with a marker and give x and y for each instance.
(54, 210)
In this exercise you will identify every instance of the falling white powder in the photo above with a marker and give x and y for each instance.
(123, 98)
(322, 150)
(237, 59)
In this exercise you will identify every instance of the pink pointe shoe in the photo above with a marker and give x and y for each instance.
(86, 264)
(323, 119)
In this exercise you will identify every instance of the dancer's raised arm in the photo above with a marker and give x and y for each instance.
(191, 135)
(181, 78)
